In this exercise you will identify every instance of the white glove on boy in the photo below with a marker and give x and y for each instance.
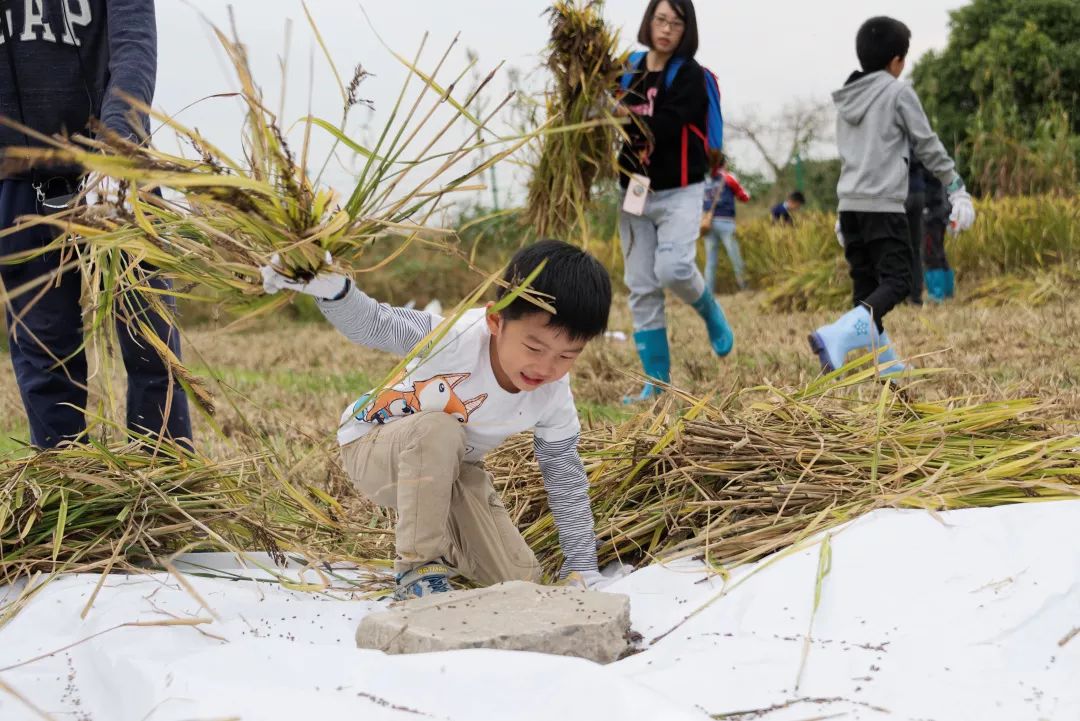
(324, 286)
(963, 211)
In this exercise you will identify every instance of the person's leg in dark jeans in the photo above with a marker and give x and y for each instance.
(156, 403)
(46, 337)
(44, 325)
(914, 206)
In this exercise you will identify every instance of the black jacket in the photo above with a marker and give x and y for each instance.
(68, 66)
(677, 155)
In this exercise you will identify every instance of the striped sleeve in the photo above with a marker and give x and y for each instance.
(567, 489)
(381, 326)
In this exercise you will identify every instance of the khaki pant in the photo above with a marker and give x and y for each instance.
(447, 508)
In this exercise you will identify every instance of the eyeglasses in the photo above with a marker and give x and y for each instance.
(673, 25)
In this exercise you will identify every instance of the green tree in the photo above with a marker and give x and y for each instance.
(1009, 64)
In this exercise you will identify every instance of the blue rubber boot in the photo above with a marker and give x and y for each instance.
(720, 335)
(887, 354)
(935, 285)
(652, 348)
(833, 342)
(948, 283)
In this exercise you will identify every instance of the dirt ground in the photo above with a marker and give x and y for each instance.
(287, 382)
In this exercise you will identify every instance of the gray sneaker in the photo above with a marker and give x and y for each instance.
(424, 580)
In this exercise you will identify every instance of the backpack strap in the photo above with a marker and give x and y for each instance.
(673, 67)
(628, 77)
(715, 117)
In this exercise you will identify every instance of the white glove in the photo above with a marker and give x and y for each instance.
(839, 233)
(324, 286)
(591, 580)
(599, 580)
(963, 211)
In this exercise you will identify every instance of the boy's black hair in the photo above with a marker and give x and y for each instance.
(574, 282)
(880, 39)
(798, 197)
(688, 46)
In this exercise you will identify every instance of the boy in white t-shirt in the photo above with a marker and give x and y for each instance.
(418, 445)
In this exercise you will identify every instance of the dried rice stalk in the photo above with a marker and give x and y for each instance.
(234, 214)
(578, 148)
(740, 479)
(92, 507)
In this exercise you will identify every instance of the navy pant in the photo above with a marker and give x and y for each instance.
(935, 256)
(916, 202)
(45, 333)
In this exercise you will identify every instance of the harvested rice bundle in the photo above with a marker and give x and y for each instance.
(96, 507)
(1056, 284)
(758, 472)
(234, 215)
(577, 148)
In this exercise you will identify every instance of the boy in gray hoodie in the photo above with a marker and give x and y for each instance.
(880, 122)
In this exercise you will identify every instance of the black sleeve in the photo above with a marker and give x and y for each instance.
(684, 103)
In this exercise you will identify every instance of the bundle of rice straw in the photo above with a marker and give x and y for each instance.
(98, 508)
(578, 146)
(1056, 284)
(760, 471)
(233, 215)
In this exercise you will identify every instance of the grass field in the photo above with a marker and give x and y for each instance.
(288, 381)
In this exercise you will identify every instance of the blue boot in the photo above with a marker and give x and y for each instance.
(833, 342)
(935, 284)
(887, 354)
(652, 347)
(948, 283)
(720, 335)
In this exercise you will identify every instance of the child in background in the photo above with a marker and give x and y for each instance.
(879, 119)
(718, 224)
(784, 213)
(418, 445)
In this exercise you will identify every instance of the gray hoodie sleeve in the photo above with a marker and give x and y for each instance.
(132, 61)
(928, 147)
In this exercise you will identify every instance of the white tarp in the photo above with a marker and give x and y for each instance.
(942, 617)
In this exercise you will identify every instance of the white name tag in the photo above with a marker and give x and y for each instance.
(637, 192)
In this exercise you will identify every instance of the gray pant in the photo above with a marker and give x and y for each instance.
(660, 251)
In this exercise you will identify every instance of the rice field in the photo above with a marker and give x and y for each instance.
(267, 457)
(300, 374)
(285, 382)
(750, 454)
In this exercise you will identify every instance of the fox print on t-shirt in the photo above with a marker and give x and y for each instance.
(432, 394)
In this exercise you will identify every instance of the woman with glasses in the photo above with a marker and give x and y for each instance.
(663, 166)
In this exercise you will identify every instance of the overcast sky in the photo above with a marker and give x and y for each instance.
(766, 53)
